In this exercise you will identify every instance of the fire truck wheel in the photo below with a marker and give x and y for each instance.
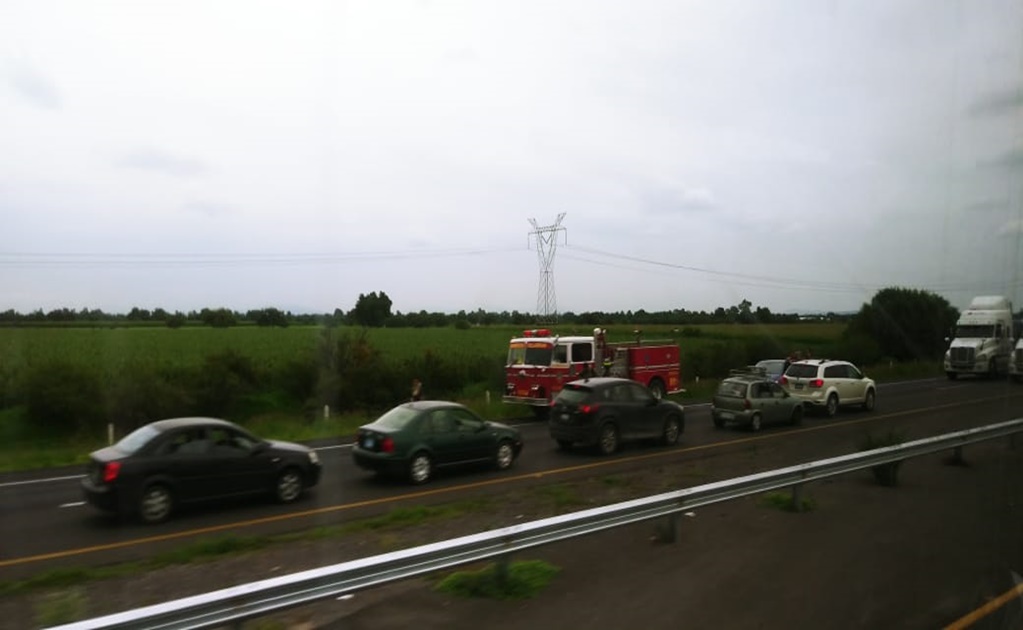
(671, 431)
(420, 468)
(505, 455)
(657, 388)
(608, 442)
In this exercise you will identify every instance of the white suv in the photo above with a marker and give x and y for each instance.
(829, 384)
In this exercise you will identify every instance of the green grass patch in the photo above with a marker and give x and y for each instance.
(784, 501)
(61, 607)
(560, 495)
(521, 580)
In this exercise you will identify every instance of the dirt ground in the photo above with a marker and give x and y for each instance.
(917, 556)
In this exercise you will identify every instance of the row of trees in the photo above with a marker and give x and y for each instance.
(373, 310)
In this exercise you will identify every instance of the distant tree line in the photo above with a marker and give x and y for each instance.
(374, 310)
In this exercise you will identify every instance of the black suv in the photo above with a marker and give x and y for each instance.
(606, 411)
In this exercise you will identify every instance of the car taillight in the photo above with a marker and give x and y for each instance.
(110, 471)
(817, 383)
(783, 380)
(588, 408)
(745, 403)
(387, 445)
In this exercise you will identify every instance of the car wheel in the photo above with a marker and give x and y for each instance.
(671, 430)
(608, 442)
(832, 407)
(719, 423)
(657, 388)
(565, 445)
(797, 415)
(420, 468)
(156, 504)
(289, 485)
(869, 401)
(754, 422)
(505, 455)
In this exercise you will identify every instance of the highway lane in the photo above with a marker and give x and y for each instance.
(43, 523)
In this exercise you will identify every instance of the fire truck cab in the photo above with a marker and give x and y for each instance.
(540, 363)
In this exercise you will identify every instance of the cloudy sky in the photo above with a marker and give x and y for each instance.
(801, 154)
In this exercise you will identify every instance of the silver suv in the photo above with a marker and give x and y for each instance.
(828, 384)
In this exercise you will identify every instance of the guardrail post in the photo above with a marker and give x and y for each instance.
(797, 495)
(501, 569)
(670, 528)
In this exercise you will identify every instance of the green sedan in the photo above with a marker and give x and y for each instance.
(415, 439)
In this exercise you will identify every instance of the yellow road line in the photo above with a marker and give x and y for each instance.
(986, 609)
(467, 486)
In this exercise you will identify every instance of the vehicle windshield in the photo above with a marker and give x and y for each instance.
(975, 332)
(397, 418)
(533, 353)
(573, 395)
(137, 439)
(732, 389)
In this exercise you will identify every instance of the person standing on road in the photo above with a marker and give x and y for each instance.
(417, 390)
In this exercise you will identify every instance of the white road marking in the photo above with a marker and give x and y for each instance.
(11, 484)
(75, 504)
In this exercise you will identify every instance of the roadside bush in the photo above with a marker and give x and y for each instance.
(223, 380)
(884, 474)
(64, 397)
(140, 395)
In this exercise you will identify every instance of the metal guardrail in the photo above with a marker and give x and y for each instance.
(231, 606)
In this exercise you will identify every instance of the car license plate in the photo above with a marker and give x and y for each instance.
(523, 392)
(726, 415)
(368, 442)
(799, 386)
(564, 417)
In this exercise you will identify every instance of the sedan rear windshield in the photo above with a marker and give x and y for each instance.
(733, 389)
(802, 370)
(397, 418)
(136, 439)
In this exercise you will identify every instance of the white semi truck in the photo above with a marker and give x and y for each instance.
(983, 339)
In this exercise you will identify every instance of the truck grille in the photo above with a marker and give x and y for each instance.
(962, 356)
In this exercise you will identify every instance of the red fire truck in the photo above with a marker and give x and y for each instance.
(540, 363)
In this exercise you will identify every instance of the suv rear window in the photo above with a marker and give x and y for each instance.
(734, 389)
(573, 395)
(802, 370)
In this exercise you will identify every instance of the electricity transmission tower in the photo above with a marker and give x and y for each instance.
(546, 246)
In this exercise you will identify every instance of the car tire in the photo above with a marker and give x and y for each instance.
(607, 443)
(831, 409)
(719, 423)
(420, 468)
(869, 400)
(505, 455)
(672, 429)
(289, 485)
(754, 422)
(797, 415)
(656, 387)
(565, 445)
(156, 504)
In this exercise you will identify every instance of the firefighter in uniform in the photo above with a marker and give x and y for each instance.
(607, 365)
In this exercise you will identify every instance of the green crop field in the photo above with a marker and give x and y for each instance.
(108, 349)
